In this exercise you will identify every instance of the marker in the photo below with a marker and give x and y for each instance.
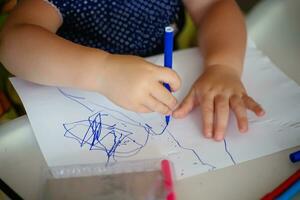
(168, 56)
(295, 157)
(283, 186)
(290, 192)
(168, 180)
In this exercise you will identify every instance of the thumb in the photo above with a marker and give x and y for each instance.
(186, 105)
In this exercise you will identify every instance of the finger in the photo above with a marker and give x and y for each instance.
(186, 105)
(154, 105)
(163, 95)
(253, 106)
(239, 109)
(222, 115)
(207, 110)
(170, 77)
(143, 109)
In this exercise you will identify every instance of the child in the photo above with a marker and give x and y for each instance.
(95, 44)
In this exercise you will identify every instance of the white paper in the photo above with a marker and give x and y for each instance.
(80, 127)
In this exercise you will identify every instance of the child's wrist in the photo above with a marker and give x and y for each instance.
(230, 69)
(95, 70)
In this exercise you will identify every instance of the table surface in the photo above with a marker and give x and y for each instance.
(23, 168)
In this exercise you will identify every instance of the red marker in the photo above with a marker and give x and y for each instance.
(282, 187)
(168, 180)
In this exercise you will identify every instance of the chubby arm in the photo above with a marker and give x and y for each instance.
(30, 49)
(221, 32)
(222, 40)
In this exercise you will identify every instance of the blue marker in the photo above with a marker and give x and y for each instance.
(290, 192)
(168, 56)
(295, 157)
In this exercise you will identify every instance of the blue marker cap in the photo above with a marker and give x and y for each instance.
(295, 157)
(168, 50)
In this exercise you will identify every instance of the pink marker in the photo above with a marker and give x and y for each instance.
(168, 180)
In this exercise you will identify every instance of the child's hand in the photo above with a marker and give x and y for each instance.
(135, 84)
(217, 90)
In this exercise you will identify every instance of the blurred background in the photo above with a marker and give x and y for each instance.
(274, 25)
(247, 5)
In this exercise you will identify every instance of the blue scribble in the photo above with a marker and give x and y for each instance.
(96, 133)
(125, 137)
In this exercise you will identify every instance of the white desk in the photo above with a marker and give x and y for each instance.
(22, 167)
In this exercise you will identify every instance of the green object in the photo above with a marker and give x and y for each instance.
(12, 93)
(5, 86)
(9, 115)
(188, 35)
(2, 19)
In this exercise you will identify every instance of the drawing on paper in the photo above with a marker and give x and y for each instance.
(125, 137)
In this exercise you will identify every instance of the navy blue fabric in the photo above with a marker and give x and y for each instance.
(118, 26)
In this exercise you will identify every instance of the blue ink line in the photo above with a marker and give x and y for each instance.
(96, 134)
(75, 98)
(227, 151)
(193, 151)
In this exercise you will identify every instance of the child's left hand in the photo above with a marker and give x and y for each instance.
(216, 90)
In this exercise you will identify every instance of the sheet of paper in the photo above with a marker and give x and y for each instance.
(80, 127)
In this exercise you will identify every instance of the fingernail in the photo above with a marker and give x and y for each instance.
(208, 135)
(219, 137)
(262, 112)
(243, 129)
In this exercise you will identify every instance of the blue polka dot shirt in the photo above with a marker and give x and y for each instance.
(119, 26)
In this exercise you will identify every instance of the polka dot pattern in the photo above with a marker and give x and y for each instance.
(118, 26)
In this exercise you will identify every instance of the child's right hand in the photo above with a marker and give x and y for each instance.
(135, 84)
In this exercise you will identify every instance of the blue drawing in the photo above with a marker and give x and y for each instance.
(125, 137)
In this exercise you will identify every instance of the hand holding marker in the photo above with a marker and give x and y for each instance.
(168, 56)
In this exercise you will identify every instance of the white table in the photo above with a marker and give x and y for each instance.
(23, 168)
